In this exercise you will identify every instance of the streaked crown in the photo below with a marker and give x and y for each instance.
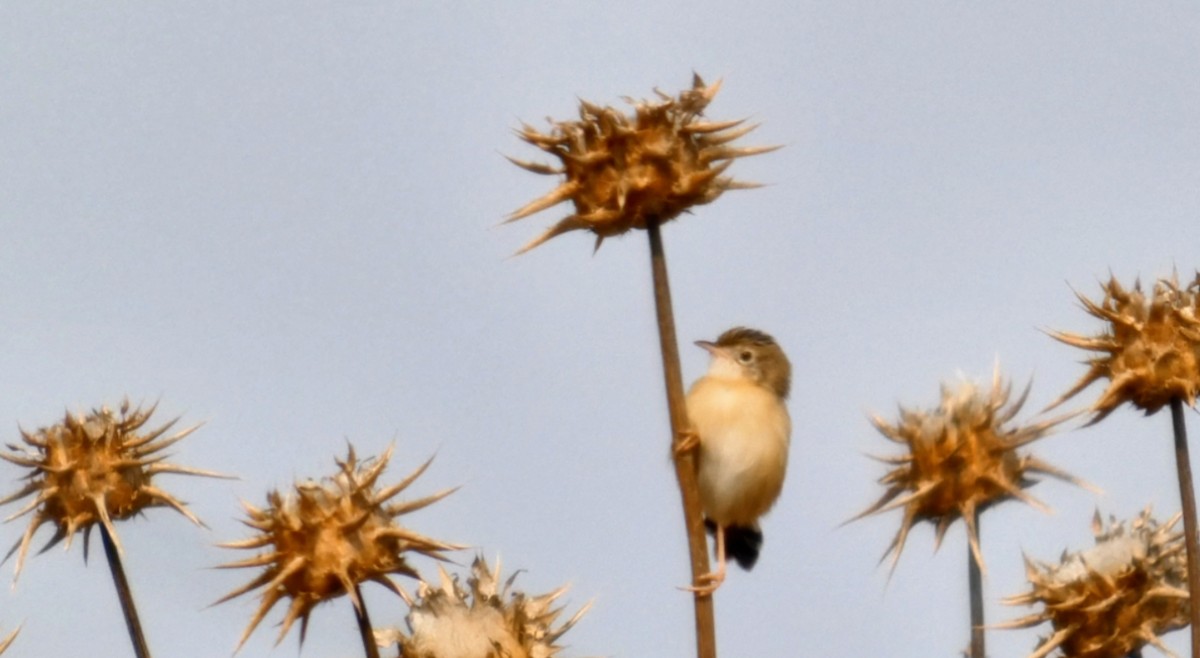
(761, 356)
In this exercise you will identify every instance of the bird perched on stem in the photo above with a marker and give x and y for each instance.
(740, 425)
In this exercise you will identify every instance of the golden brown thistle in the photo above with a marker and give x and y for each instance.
(961, 458)
(1150, 349)
(93, 469)
(7, 641)
(326, 538)
(1114, 598)
(621, 171)
(484, 619)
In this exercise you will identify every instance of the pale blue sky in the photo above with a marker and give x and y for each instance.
(278, 217)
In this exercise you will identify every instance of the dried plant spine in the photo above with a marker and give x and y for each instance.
(1114, 598)
(1150, 350)
(94, 468)
(622, 171)
(324, 538)
(8, 640)
(483, 619)
(960, 458)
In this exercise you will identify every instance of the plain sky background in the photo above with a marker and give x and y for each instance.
(280, 218)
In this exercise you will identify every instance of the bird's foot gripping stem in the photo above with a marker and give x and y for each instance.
(707, 583)
(686, 441)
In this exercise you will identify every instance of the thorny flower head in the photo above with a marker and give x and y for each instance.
(1114, 598)
(324, 538)
(960, 458)
(7, 641)
(622, 171)
(482, 619)
(1150, 351)
(93, 469)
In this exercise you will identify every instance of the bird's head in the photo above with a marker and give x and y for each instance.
(753, 354)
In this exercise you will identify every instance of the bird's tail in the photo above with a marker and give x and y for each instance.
(742, 543)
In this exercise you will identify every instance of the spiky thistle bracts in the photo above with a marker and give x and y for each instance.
(960, 458)
(1150, 350)
(484, 618)
(8, 639)
(94, 468)
(322, 539)
(1114, 598)
(622, 171)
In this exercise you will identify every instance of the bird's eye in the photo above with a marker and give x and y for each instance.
(745, 356)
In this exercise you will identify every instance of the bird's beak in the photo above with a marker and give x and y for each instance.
(711, 347)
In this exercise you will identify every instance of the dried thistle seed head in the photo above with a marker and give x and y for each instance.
(93, 469)
(621, 170)
(1114, 598)
(960, 458)
(1150, 350)
(483, 619)
(324, 538)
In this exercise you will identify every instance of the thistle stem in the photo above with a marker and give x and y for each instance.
(1187, 497)
(685, 462)
(132, 623)
(364, 625)
(975, 583)
(7, 642)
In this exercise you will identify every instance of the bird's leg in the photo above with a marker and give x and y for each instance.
(686, 441)
(709, 582)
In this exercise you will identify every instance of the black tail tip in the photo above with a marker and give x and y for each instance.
(742, 543)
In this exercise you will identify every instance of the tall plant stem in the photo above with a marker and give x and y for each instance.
(364, 625)
(1187, 498)
(132, 623)
(7, 641)
(685, 462)
(975, 583)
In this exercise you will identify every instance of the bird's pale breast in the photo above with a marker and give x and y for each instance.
(744, 432)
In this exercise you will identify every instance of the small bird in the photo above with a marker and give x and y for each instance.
(740, 425)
